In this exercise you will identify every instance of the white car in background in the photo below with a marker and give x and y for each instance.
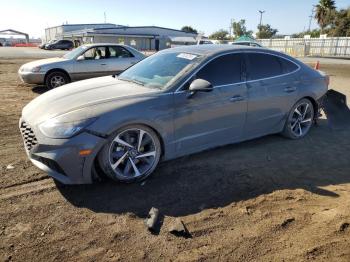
(208, 42)
(246, 43)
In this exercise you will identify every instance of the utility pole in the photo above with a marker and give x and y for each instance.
(261, 14)
(104, 14)
(231, 27)
(311, 16)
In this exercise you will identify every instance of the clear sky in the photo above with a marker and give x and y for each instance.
(33, 16)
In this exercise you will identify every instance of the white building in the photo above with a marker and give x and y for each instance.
(57, 32)
(139, 37)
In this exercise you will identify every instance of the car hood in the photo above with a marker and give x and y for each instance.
(83, 99)
(42, 62)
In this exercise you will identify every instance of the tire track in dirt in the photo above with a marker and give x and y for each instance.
(35, 187)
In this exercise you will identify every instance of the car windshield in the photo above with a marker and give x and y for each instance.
(75, 52)
(160, 70)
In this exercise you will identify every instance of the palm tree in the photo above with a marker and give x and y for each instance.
(324, 11)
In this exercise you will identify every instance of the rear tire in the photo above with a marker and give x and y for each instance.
(56, 79)
(131, 154)
(300, 119)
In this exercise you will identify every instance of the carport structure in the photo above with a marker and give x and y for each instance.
(14, 32)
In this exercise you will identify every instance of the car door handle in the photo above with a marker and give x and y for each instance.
(236, 98)
(290, 89)
(103, 64)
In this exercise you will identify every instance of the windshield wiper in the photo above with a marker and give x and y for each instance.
(132, 81)
(137, 82)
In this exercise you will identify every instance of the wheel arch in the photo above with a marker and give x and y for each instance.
(314, 103)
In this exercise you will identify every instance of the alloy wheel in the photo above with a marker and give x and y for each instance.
(57, 81)
(132, 154)
(301, 119)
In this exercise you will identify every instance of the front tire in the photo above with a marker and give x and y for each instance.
(300, 119)
(131, 154)
(56, 79)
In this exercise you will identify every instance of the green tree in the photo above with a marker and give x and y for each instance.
(341, 23)
(324, 13)
(266, 31)
(240, 29)
(189, 29)
(219, 35)
(312, 33)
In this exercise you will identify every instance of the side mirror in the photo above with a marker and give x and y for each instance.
(80, 58)
(200, 85)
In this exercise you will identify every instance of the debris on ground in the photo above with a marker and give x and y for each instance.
(152, 220)
(179, 229)
(287, 221)
(246, 210)
(10, 167)
(342, 226)
(336, 109)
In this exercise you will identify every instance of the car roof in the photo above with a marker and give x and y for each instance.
(238, 42)
(209, 50)
(213, 50)
(103, 44)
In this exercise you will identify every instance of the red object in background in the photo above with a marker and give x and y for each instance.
(317, 65)
(25, 45)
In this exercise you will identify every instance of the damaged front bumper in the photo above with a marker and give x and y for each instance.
(60, 158)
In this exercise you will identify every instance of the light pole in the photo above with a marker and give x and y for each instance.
(311, 16)
(261, 14)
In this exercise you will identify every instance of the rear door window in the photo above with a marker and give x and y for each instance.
(288, 67)
(223, 70)
(119, 52)
(262, 66)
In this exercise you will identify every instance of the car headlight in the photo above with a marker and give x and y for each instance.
(30, 69)
(56, 129)
(35, 69)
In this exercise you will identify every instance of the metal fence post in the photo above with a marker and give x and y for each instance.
(346, 46)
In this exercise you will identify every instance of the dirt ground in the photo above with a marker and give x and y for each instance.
(270, 199)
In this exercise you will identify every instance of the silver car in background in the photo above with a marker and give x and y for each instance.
(87, 61)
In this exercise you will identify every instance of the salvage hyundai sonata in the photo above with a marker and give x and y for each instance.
(174, 103)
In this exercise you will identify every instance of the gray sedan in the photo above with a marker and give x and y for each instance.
(174, 103)
(84, 62)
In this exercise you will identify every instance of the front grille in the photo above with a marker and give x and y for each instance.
(28, 136)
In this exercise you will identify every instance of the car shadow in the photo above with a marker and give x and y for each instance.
(226, 175)
(39, 89)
